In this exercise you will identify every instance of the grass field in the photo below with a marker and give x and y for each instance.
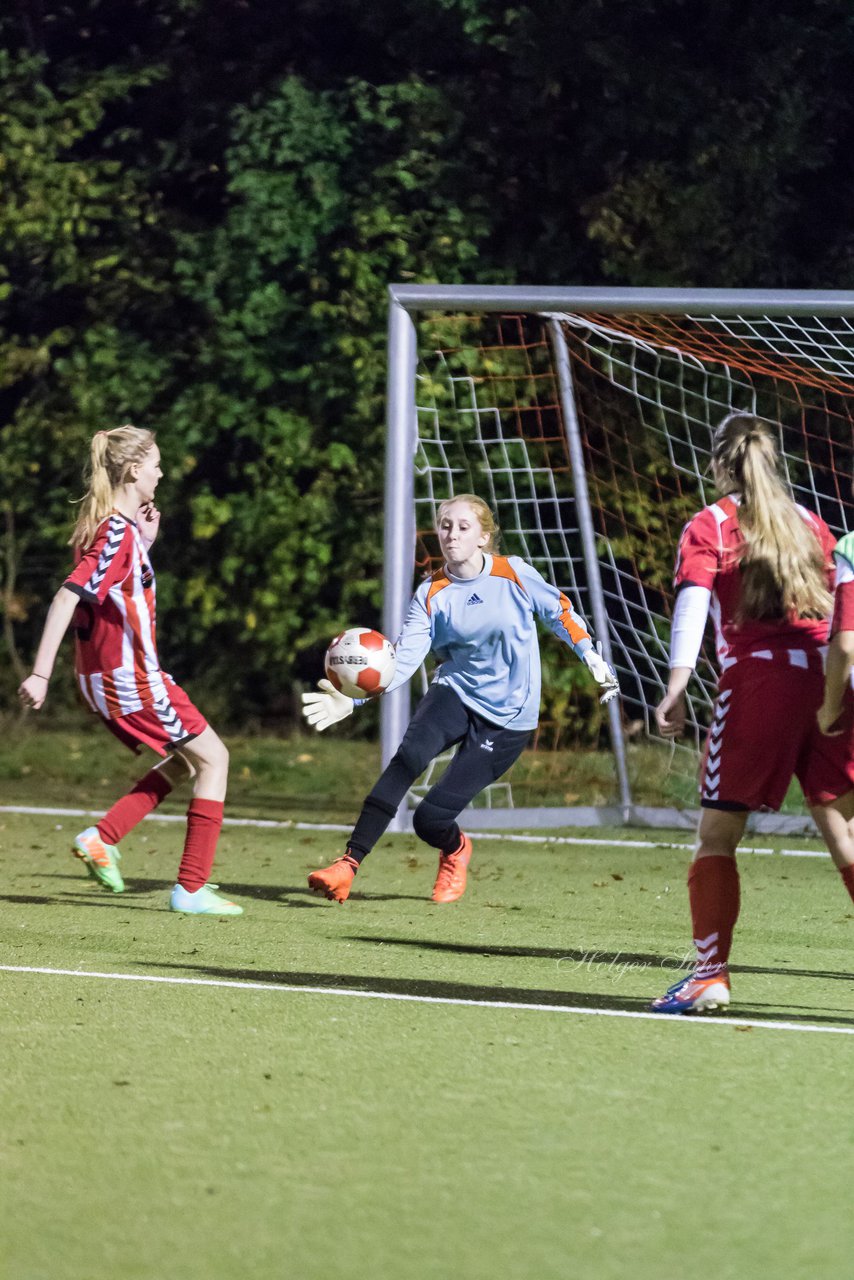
(305, 1092)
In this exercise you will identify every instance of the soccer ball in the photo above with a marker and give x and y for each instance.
(360, 663)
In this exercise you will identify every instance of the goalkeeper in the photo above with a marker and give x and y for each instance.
(477, 615)
(764, 566)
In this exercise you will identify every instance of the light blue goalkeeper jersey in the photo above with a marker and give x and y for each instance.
(482, 631)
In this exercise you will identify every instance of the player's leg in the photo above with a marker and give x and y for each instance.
(208, 756)
(485, 754)
(834, 821)
(97, 846)
(764, 714)
(440, 720)
(149, 792)
(826, 775)
(714, 897)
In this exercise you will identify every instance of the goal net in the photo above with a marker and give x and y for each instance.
(498, 399)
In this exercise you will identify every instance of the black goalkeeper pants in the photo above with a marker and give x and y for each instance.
(485, 752)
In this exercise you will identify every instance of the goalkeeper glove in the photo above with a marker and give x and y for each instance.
(324, 709)
(602, 672)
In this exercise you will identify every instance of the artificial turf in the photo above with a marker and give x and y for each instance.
(158, 1129)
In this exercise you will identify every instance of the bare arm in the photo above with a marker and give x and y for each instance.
(686, 636)
(670, 712)
(840, 662)
(33, 690)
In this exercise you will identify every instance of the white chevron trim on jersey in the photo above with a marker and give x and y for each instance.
(115, 534)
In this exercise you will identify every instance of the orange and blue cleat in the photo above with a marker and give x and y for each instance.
(694, 995)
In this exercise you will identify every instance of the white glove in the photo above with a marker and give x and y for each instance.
(324, 709)
(602, 672)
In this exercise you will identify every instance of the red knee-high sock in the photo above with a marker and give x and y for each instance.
(204, 820)
(847, 874)
(132, 808)
(713, 891)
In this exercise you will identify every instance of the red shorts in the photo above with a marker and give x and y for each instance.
(164, 726)
(764, 733)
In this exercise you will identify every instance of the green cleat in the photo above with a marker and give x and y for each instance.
(204, 902)
(102, 860)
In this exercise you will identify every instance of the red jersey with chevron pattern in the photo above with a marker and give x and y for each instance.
(709, 551)
(114, 625)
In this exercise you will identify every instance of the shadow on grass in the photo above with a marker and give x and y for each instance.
(135, 886)
(422, 987)
(30, 899)
(591, 957)
(428, 989)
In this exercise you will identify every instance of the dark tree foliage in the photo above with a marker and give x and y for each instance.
(202, 202)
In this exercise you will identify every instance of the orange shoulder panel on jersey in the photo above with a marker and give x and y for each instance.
(502, 568)
(438, 581)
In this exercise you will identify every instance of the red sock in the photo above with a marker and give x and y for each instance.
(132, 808)
(713, 890)
(204, 820)
(847, 874)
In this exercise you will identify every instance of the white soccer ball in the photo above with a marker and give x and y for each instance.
(360, 663)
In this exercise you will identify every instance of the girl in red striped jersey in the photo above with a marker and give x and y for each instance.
(109, 601)
(835, 818)
(763, 565)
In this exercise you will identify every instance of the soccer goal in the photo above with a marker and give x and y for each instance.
(584, 417)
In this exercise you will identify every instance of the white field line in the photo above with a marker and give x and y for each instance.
(269, 823)
(725, 1021)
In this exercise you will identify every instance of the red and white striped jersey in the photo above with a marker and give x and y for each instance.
(709, 553)
(116, 647)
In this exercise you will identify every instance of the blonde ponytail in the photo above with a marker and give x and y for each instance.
(111, 456)
(782, 563)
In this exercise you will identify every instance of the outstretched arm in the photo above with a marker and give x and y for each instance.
(33, 690)
(555, 609)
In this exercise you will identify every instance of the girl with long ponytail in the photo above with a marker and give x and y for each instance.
(762, 564)
(109, 602)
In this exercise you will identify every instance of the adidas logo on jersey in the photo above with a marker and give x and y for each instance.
(474, 599)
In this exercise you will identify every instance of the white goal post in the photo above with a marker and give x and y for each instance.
(584, 416)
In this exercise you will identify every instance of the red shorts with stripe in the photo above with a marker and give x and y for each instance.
(165, 726)
(764, 733)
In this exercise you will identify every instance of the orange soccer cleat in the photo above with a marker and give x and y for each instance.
(451, 880)
(334, 881)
